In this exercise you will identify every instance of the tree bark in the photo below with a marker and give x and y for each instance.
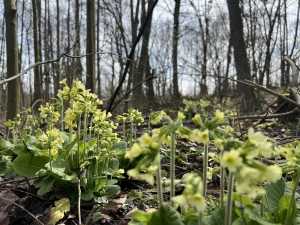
(38, 91)
(13, 98)
(90, 46)
(138, 95)
(176, 93)
(240, 54)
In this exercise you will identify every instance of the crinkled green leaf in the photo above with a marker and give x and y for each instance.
(20, 149)
(6, 145)
(274, 192)
(113, 165)
(97, 216)
(111, 190)
(28, 165)
(87, 195)
(284, 205)
(45, 184)
(119, 147)
(165, 215)
(243, 199)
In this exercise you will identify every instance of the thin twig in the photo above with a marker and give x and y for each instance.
(23, 209)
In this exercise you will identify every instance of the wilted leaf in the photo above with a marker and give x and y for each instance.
(57, 212)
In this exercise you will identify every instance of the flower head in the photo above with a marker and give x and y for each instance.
(219, 115)
(232, 160)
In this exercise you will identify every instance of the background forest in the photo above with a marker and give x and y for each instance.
(188, 48)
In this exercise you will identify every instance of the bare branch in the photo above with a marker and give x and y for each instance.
(36, 64)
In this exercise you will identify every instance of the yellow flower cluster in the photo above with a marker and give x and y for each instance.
(156, 117)
(192, 193)
(148, 150)
(247, 170)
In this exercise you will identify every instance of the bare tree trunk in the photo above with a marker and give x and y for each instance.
(98, 49)
(78, 66)
(90, 46)
(176, 93)
(240, 54)
(138, 95)
(58, 78)
(13, 98)
(38, 92)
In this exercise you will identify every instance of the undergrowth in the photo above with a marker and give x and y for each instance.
(80, 154)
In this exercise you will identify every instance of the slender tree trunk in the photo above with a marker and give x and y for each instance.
(98, 49)
(38, 92)
(58, 76)
(90, 46)
(240, 54)
(138, 94)
(13, 95)
(176, 93)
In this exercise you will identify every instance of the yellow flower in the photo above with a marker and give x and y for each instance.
(273, 173)
(64, 81)
(133, 173)
(265, 149)
(181, 115)
(198, 201)
(181, 200)
(43, 138)
(255, 137)
(219, 115)
(147, 177)
(219, 143)
(145, 140)
(54, 151)
(203, 137)
(196, 119)
(291, 158)
(231, 160)
(134, 152)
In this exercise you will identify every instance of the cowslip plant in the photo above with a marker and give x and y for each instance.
(134, 117)
(81, 162)
(249, 180)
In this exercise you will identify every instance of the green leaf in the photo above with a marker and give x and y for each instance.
(113, 165)
(243, 199)
(254, 216)
(97, 216)
(58, 212)
(45, 184)
(100, 183)
(101, 200)
(28, 165)
(165, 215)
(133, 194)
(20, 149)
(61, 168)
(68, 147)
(119, 147)
(111, 190)
(216, 217)
(284, 206)
(6, 145)
(87, 195)
(274, 192)
(3, 167)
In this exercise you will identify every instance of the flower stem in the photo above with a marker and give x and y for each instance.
(222, 183)
(229, 200)
(159, 184)
(172, 168)
(292, 199)
(205, 165)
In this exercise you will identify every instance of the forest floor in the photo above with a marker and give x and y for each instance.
(26, 207)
